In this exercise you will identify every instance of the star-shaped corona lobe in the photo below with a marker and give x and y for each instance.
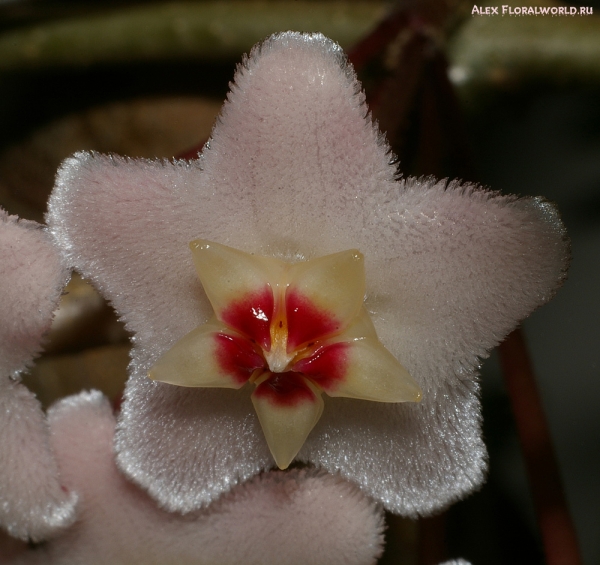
(294, 330)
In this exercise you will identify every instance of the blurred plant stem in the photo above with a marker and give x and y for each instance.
(556, 526)
(209, 30)
(504, 53)
(486, 53)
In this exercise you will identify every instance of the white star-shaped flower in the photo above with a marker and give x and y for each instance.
(294, 172)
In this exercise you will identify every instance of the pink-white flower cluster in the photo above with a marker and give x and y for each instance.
(295, 171)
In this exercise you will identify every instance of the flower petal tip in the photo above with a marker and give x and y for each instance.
(288, 408)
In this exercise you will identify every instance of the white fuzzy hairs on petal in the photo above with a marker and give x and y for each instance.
(304, 516)
(32, 278)
(33, 504)
(296, 169)
(295, 147)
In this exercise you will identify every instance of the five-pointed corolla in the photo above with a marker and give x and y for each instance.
(293, 330)
(295, 169)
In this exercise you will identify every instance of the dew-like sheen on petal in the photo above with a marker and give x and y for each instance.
(239, 286)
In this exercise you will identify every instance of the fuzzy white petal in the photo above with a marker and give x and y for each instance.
(295, 169)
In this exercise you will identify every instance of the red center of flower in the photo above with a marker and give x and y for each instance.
(305, 321)
(284, 340)
(251, 316)
(238, 357)
(326, 366)
(285, 389)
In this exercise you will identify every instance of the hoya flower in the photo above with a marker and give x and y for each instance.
(33, 503)
(296, 174)
(302, 516)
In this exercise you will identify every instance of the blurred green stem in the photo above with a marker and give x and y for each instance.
(210, 30)
(507, 52)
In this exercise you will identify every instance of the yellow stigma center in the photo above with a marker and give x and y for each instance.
(278, 357)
